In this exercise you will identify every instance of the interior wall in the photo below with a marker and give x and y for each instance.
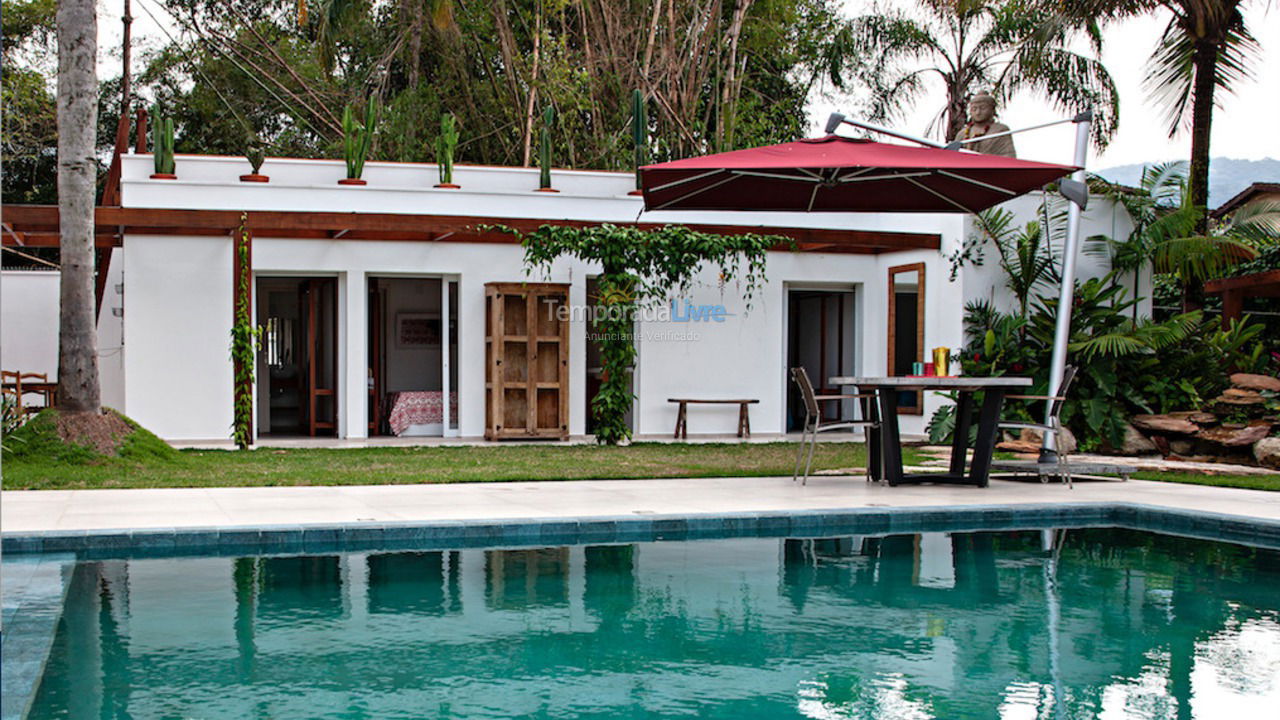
(409, 368)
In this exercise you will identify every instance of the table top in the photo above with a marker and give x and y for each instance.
(933, 383)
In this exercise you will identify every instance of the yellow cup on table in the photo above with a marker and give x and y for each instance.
(941, 361)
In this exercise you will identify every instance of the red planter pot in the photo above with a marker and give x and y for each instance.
(447, 186)
(254, 177)
(352, 181)
(546, 190)
(163, 176)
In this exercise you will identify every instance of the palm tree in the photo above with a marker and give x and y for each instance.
(77, 27)
(1167, 234)
(1008, 46)
(1206, 47)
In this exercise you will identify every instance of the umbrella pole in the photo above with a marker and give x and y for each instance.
(1076, 190)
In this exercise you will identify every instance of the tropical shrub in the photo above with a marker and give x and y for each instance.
(1125, 366)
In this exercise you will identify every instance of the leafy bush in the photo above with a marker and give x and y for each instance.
(1125, 366)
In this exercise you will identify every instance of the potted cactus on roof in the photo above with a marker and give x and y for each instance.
(256, 153)
(162, 145)
(357, 137)
(446, 142)
(544, 150)
(639, 135)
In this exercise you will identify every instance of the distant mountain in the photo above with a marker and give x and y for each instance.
(1227, 176)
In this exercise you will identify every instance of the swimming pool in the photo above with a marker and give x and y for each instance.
(1089, 622)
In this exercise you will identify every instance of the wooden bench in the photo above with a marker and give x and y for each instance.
(682, 415)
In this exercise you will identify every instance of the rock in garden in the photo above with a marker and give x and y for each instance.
(1172, 423)
(1236, 436)
(1066, 440)
(1252, 381)
(1203, 418)
(1267, 452)
(1021, 447)
(1135, 443)
(1162, 445)
(1245, 400)
(1181, 447)
(1240, 393)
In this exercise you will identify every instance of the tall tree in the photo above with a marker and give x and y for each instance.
(962, 46)
(30, 132)
(1206, 47)
(1165, 234)
(77, 29)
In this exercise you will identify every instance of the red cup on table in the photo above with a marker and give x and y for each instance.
(928, 370)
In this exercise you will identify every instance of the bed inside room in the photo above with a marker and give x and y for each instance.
(412, 374)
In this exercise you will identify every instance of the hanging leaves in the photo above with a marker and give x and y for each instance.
(641, 266)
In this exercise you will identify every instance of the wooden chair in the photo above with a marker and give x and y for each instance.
(13, 382)
(1054, 424)
(813, 423)
(10, 384)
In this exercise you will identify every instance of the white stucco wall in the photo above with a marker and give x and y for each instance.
(986, 281)
(29, 302)
(178, 290)
(29, 331)
(177, 333)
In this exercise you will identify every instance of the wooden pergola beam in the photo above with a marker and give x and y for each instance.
(1234, 291)
(1262, 284)
(39, 225)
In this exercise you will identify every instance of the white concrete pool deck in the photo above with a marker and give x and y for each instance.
(30, 511)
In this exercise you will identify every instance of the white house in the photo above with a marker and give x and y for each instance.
(367, 277)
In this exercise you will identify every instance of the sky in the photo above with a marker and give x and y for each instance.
(1245, 127)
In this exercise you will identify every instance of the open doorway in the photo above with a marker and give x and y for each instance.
(413, 354)
(298, 356)
(820, 338)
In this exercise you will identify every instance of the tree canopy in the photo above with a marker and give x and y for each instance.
(717, 74)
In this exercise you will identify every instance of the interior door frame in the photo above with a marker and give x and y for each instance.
(313, 288)
(918, 268)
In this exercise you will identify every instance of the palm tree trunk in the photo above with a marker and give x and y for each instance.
(957, 112)
(1205, 59)
(77, 26)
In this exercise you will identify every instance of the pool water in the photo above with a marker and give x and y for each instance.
(1075, 623)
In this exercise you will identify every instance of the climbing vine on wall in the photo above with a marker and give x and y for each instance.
(244, 342)
(641, 267)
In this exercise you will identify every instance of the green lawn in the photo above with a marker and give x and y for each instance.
(371, 466)
(36, 459)
(1251, 482)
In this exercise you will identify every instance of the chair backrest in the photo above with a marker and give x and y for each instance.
(1068, 375)
(42, 377)
(806, 391)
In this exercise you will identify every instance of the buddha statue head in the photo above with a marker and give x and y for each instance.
(982, 107)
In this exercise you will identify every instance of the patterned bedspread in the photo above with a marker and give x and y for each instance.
(420, 407)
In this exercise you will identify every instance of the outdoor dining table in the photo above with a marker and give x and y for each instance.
(887, 389)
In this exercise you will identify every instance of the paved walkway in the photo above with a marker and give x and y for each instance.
(26, 511)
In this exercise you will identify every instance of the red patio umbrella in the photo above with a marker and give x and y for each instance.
(839, 174)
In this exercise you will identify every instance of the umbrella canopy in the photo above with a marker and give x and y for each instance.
(839, 174)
